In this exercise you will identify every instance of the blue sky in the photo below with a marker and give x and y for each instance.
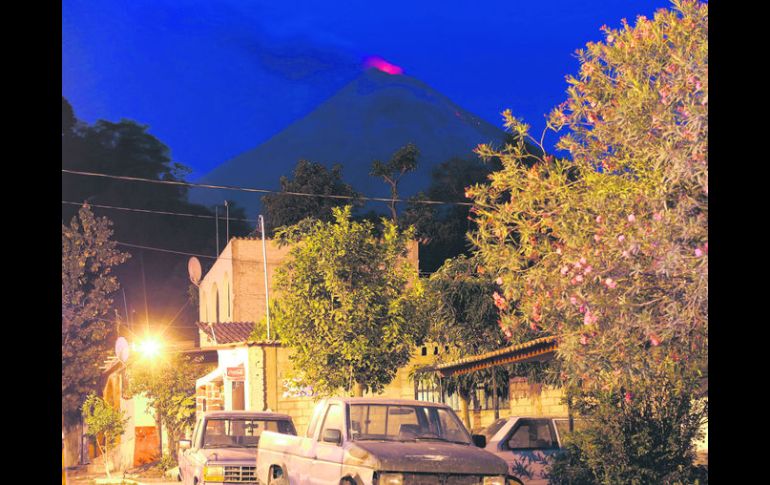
(214, 79)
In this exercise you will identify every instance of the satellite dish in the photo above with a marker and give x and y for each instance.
(121, 349)
(194, 270)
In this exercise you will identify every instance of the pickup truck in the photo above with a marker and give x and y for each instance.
(369, 441)
(528, 444)
(224, 446)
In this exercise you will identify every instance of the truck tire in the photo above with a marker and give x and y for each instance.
(280, 480)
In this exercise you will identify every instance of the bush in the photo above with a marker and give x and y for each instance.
(636, 438)
(167, 462)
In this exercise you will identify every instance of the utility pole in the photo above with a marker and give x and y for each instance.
(264, 261)
(227, 223)
(216, 226)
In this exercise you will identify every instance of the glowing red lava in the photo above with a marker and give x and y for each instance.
(383, 65)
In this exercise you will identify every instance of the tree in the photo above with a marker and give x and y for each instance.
(169, 385)
(346, 302)
(609, 250)
(152, 280)
(442, 228)
(403, 161)
(102, 420)
(88, 258)
(458, 300)
(309, 178)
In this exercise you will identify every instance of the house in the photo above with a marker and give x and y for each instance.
(253, 374)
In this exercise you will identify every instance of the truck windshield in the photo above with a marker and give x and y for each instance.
(240, 432)
(405, 423)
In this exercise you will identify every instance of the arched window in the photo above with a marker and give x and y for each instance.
(227, 311)
(214, 304)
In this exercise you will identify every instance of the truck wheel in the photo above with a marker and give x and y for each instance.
(276, 476)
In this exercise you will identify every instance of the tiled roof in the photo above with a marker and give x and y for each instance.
(228, 332)
(537, 349)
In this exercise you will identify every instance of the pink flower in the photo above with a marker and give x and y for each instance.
(611, 284)
(625, 254)
(698, 252)
(573, 281)
(631, 218)
(564, 270)
(657, 216)
(499, 281)
(621, 238)
(533, 326)
(654, 340)
(584, 339)
(597, 237)
(583, 261)
(628, 397)
(582, 308)
(558, 250)
(589, 318)
(573, 300)
(706, 248)
(507, 333)
(587, 269)
(499, 301)
(578, 265)
(598, 219)
(579, 278)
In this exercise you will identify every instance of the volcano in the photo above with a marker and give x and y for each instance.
(369, 118)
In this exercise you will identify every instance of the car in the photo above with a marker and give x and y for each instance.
(377, 441)
(223, 448)
(527, 444)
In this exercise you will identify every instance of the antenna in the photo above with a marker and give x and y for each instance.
(227, 223)
(194, 270)
(216, 225)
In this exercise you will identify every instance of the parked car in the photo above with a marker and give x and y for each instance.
(223, 447)
(527, 444)
(370, 441)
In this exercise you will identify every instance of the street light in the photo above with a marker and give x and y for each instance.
(150, 347)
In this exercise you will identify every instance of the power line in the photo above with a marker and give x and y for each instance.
(182, 253)
(149, 211)
(261, 191)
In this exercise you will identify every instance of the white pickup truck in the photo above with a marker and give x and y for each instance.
(224, 446)
(369, 441)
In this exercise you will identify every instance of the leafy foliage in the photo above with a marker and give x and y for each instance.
(169, 385)
(609, 250)
(126, 148)
(312, 178)
(105, 422)
(346, 302)
(458, 305)
(637, 438)
(88, 283)
(403, 161)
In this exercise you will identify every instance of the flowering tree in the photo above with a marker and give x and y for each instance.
(609, 250)
(346, 303)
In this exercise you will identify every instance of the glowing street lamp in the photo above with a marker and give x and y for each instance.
(150, 347)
